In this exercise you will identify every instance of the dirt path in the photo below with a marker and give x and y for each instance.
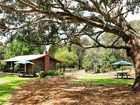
(82, 73)
(60, 91)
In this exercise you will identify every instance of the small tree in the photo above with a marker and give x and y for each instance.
(68, 58)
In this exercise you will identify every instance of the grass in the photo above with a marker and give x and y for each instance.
(8, 83)
(101, 80)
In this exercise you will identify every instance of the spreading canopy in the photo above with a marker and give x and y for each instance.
(51, 21)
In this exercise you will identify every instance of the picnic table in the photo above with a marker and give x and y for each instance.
(26, 74)
(122, 74)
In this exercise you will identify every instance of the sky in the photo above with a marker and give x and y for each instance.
(131, 17)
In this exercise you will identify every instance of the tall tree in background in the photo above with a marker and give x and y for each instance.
(17, 48)
(101, 57)
(80, 54)
(91, 59)
(72, 19)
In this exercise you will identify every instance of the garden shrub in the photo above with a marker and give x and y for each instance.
(16, 67)
(51, 73)
(2, 65)
(105, 70)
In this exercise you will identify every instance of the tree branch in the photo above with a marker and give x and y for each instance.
(103, 45)
(27, 24)
(63, 7)
(98, 34)
(106, 46)
(115, 41)
(103, 20)
(72, 18)
(28, 3)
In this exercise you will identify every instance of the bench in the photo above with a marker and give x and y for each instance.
(122, 75)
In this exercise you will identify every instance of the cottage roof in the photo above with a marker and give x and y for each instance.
(24, 57)
(29, 58)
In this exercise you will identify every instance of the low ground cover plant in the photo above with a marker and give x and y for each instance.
(51, 73)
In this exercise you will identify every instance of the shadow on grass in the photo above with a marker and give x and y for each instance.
(58, 91)
(7, 89)
(104, 82)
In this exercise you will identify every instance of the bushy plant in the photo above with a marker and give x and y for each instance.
(51, 73)
(126, 67)
(105, 70)
(11, 68)
(21, 48)
(69, 58)
(16, 67)
(2, 65)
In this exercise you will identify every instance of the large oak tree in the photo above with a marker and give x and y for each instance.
(50, 21)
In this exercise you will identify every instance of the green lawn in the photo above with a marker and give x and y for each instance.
(101, 80)
(8, 83)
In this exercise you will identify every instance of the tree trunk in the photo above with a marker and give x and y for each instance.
(134, 52)
(136, 85)
(79, 63)
(64, 69)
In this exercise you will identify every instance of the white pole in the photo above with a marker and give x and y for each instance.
(11, 67)
(25, 68)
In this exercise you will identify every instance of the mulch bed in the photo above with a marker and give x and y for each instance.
(60, 91)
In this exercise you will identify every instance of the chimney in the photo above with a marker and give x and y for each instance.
(46, 53)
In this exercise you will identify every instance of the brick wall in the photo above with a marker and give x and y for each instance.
(39, 64)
